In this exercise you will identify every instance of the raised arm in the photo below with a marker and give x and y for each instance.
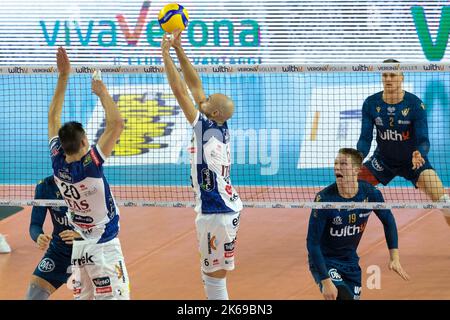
(176, 82)
(55, 110)
(114, 121)
(190, 74)
(366, 137)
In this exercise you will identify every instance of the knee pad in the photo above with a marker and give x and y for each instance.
(35, 292)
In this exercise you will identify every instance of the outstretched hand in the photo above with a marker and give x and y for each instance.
(62, 61)
(176, 42)
(166, 43)
(395, 265)
(98, 87)
(417, 160)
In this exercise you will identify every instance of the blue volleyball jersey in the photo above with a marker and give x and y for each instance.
(401, 128)
(210, 168)
(92, 208)
(334, 235)
(47, 189)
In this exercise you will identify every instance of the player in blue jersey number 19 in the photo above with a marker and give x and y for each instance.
(334, 235)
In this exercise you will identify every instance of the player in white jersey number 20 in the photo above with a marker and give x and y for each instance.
(98, 265)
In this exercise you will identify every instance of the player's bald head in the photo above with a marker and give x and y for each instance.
(218, 107)
(224, 104)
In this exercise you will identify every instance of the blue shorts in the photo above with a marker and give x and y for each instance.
(54, 267)
(346, 278)
(385, 172)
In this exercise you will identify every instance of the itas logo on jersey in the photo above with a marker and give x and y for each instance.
(348, 231)
(393, 135)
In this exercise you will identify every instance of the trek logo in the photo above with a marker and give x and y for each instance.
(347, 231)
(199, 33)
(393, 135)
(86, 259)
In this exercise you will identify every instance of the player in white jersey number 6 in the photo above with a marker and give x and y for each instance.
(217, 203)
(97, 260)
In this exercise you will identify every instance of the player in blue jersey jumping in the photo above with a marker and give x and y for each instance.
(98, 265)
(218, 204)
(402, 139)
(334, 235)
(55, 266)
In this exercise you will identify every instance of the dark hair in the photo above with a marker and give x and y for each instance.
(391, 61)
(71, 134)
(354, 154)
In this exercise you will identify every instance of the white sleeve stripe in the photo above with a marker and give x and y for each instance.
(51, 139)
(194, 123)
(100, 153)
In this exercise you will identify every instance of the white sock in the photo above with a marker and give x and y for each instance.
(215, 288)
(445, 198)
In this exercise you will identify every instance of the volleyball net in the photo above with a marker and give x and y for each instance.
(289, 123)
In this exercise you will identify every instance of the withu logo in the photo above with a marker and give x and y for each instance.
(222, 69)
(393, 135)
(362, 67)
(292, 68)
(347, 230)
(433, 67)
(84, 70)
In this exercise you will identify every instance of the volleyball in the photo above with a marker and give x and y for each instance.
(173, 16)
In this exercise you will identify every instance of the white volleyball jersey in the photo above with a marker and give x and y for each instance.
(210, 168)
(92, 209)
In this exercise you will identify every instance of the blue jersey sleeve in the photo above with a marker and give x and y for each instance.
(387, 218)
(366, 136)
(38, 213)
(56, 149)
(317, 223)
(420, 125)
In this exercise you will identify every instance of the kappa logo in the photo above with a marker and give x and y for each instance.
(378, 109)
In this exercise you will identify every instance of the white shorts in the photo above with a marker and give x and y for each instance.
(216, 235)
(99, 271)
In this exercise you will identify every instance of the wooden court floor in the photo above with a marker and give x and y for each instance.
(160, 249)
